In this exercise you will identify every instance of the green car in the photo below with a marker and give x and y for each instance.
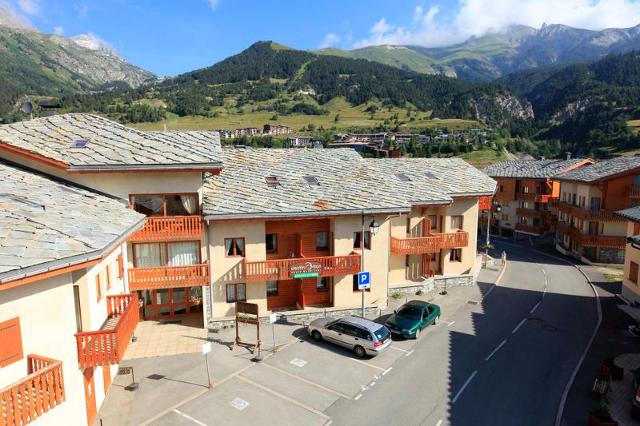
(413, 316)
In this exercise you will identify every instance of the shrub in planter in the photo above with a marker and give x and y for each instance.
(396, 295)
(600, 416)
(617, 373)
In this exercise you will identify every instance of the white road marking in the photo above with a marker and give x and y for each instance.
(188, 417)
(504, 342)
(309, 382)
(367, 364)
(534, 308)
(439, 422)
(451, 323)
(409, 353)
(546, 282)
(386, 371)
(520, 324)
(399, 349)
(239, 403)
(488, 292)
(455, 398)
(358, 396)
(298, 362)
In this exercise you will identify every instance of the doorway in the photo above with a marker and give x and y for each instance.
(170, 302)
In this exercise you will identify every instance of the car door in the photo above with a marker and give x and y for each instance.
(349, 338)
(334, 332)
(427, 316)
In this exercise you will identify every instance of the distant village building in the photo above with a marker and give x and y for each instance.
(303, 142)
(275, 129)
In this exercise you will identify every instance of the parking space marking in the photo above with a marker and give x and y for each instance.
(386, 371)
(309, 382)
(239, 403)
(284, 397)
(358, 396)
(399, 349)
(534, 308)
(409, 353)
(367, 364)
(455, 398)
(188, 417)
(298, 362)
(439, 422)
(504, 342)
(519, 325)
(449, 324)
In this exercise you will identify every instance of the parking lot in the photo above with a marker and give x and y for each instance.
(292, 386)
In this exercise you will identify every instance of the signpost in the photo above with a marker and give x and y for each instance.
(364, 280)
(272, 319)
(206, 348)
(248, 313)
(128, 370)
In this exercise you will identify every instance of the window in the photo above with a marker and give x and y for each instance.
(636, 228)
(456, 222)
(357, 240)
(272, 288)
(433, 219)
(166, 254)
(322, 284)
(272, 181)
(595, 204)
(322, 240)
(107, 272)
(573, 199)
(501, 188)
(234, 246)
(633, 272)
(402, 177)
(165, 204)
(593, 228)
(236, 293)
(525, 189)
(271, 241)
(311, 180)
(455, 255)
(11, 348)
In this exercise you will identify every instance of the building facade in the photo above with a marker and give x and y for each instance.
(588, 227)
(631, 279)
(527, 195)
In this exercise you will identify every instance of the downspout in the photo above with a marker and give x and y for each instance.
(210, 266)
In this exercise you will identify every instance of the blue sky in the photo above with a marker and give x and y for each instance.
(170, 37)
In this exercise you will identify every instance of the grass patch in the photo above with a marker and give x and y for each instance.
(483, 157)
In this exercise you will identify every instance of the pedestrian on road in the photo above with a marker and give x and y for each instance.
(504, 257)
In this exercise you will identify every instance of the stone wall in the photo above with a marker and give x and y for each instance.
(435, 284)
(611, 255)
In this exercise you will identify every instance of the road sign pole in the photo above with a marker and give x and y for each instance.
(206, 348)
(362, 245)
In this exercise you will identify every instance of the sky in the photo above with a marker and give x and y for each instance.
(170, 37)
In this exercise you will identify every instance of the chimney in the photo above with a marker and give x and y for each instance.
(567, 155)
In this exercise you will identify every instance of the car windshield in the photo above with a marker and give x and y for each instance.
(410, 312)
(382, 333)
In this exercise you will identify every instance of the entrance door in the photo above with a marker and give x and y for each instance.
(171, 302)
(90, 395)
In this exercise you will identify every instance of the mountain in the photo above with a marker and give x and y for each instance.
(37, 64)
(494, 55)
(585, 105)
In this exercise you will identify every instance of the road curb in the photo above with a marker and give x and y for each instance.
(504, 268)
(565, 393)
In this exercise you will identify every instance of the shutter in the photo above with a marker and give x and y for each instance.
(120, 267)
(11, 347)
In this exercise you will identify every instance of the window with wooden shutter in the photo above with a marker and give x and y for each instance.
(120, 267)
(98, 288)
(633, 272)
(11, 347)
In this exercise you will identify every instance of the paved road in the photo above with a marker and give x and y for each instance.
(505, 360)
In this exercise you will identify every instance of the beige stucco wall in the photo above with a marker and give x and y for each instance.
(630, 289)
(48, 324)
(468, 208)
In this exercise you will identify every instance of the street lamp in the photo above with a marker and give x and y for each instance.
(498, 208)
(374, 227)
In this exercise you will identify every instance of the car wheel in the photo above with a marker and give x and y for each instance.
(436, 320)
(316, 335)
(359, 351)
(417, 334)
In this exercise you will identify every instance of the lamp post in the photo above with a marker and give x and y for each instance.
(488, 242)
(373, 228)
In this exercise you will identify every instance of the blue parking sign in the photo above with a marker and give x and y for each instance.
(364, 280)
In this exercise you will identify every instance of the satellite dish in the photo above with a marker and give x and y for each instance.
(27, 107)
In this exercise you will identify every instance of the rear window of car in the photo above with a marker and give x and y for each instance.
(382, 333)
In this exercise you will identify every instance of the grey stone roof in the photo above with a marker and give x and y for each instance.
(453, 176)
(530, 169)
(46, 224)
(346, 184)
(110, 145)
(632, 214)
(601, 170)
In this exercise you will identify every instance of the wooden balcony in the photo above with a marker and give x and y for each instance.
(168, 277)
(635, 192)
(530, 229)
(429, 244)
(540, 198)
(288, 269)
(107, 346)
(608, 241)
(586, 214)
(169, 228)
(533, 213)
(29, 398)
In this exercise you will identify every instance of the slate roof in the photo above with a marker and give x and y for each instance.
(530, 169)
(601, 170)
(46, 224)
(110, 145)
(632, 214)
(453, 176)
(346, 183)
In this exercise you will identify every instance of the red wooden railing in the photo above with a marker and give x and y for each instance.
(532, 213)
(168, 228)
(529, 228)
(168, 277)
(430, 244)
(585, 214)
(601, 241)
(105, 347)
(29, 398)
(280, 269)
(635, 191)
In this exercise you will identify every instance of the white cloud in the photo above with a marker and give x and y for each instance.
(92, 42)
(478, 17)
(32, 7)
(330, 40)
(214, 3)
(58, 30)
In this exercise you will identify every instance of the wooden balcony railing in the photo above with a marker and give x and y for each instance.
(168, 277)
(529, 228)
(169, 228)
(430, 244)
(586, 214)
(287, 269)
(107, 346)
(29, 398)
(532, 213)
(610, 241)
(635, 191)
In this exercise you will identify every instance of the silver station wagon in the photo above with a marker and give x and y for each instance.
(360, 335)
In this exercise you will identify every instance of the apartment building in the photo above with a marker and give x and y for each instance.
(290, 229)
(588, 227)
(276, 129)
(62, 297)
(527, 195)
(631, 280)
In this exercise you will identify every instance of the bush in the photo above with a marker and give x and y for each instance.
(419, 292)
(396, 295)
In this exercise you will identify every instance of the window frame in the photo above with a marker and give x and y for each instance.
(367, 236)
(165, 247)
(326, 246)
(275, 243)
(451, 222)
(234, 246)
(235, 292)
(326, 284)
(454, 258)
(164, 201)
(272, 293)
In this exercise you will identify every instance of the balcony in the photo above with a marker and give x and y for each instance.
(635, 191)
(529, 229)
(107, 346)
(585, 214)
(532, 213)
(157, 277)
(540, 198)
(289, 269)
(429, 244)
(28, 399)
(601, 241)
(169, 228)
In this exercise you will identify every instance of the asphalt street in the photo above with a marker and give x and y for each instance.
(505, 359)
